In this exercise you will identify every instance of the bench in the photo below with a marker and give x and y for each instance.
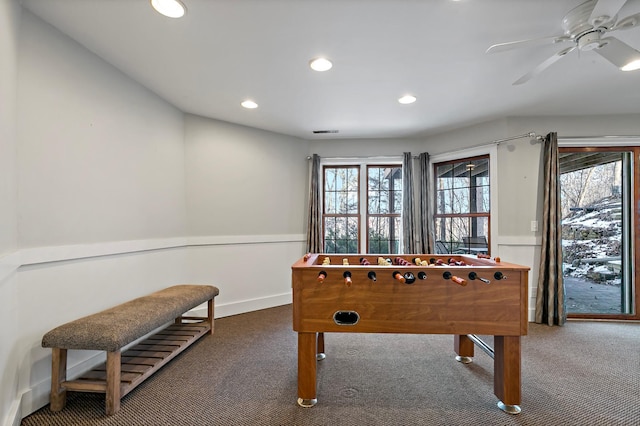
(113, 329)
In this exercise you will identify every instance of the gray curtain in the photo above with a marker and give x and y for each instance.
(425, 243)
(408, 212)
(314, 223)
(550, 297)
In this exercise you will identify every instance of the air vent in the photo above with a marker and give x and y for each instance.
(320, 132)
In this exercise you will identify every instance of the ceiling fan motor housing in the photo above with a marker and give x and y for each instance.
(590, 40)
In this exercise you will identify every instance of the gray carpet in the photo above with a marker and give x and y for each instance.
(585, 373)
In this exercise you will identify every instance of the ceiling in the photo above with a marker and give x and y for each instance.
(225, 51)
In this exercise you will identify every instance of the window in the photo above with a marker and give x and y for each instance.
(462, 215)
(384, 201)
(343, 216)
(599, 246)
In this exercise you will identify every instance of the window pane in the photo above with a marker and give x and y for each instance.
(460, 200)
(330, 235)
(374, 202)
(330, 202)
(373, 178)
(352, 203)
(397, 204)
(385, 202)
(463, 187)
(482, 199)
(384, 234)
(330, 179)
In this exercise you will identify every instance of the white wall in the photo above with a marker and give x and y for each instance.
(246, 192)
(9, 328)
(243, 181)
(101, 198)
(366, 147)
(100, 157)
(106, 172)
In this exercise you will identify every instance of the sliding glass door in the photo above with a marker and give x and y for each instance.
(599, 189)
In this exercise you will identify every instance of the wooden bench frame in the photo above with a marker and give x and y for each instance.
(123, 372)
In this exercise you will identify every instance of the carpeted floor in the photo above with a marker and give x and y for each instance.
(585, 373)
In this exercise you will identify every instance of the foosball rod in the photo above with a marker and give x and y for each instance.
(481, 344)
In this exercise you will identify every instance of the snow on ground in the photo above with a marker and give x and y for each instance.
(591, 242)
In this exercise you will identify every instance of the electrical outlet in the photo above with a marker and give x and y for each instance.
(534, 226)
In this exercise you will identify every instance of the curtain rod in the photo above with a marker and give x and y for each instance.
(619, 137)
(531, 135)
(379, 157)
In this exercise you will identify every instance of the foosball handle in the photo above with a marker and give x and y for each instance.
(449, 276)
(398, 276)
(475, 276)
(458, 280)
(321, 276)
(347, 278)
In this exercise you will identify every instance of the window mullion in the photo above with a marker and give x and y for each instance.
(363, 210)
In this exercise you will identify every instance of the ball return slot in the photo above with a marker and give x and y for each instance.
(346, 317)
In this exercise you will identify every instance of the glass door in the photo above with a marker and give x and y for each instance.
(597, 186)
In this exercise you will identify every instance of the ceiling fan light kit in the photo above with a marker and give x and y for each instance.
(585, 26)
(620, 54)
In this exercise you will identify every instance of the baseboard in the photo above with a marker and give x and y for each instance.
(14, 416)
(249, 305)
(38, 396)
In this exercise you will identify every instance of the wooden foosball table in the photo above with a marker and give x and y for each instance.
(465, 296)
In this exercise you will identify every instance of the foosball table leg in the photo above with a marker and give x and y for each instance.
(320, 355)
(307, 351)
(463, 346)
(506, 375)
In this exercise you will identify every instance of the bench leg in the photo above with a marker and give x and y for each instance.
(113, 383)
(210, 314)
(58, 375)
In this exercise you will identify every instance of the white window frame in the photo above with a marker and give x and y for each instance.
(492, 152)
(363, 162)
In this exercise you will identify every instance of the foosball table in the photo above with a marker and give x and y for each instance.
(462, 295)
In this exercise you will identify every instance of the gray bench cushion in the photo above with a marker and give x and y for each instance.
(116, 327)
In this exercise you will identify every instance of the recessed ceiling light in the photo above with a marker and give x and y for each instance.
(407, 99)
(249, 104)
(320, 64)
(169, 8)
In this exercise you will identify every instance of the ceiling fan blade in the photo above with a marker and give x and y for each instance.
(501, 47)
(543, 66)
(619, 54)
(605, 11)
(629, 22)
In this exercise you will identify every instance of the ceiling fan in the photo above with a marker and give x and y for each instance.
(584, 29)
